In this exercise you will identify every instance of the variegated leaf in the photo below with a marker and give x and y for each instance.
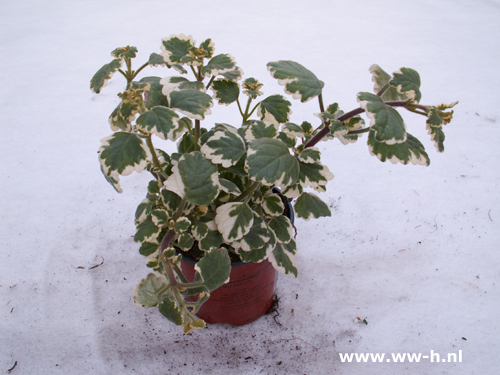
(314, 175)
(199, 230)
(269, 162)
(123, 115)
(282, 257)
(224, 147)
(146, 292)
(212, 240)
(258, 255)
(272, 205)
(293, 130)
(122, 153)
(219, 64)
(381, 78)
(185, 241)
(194, 178)
(176, 47)
(407, 81)
(310, 155)
(124, 52)
(229, 187)
(214, 268)
(293, 191)
(386, 122)
(410, 151)
(143, 210)
(251, 88)
(261, 129)
(156, 59)
(282, 228)
(225, 91)
(182, 224)
(175, 83)
(170, 309)
(234, 220)
(192, 103)
(274, 109)
(257, 237)
(234, 74)
(148, 248)
(170, 200)
(299, 82)
(309, 206)
(147, 231)
(155, 97)
(104, 74)
(161, 121)
(437, 136)
(160, 217)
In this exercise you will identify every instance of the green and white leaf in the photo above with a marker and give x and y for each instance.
(257, 237)
(170, 200)
(192, 103)
(182, 224)
(147, 231)
(219, 64)
(233, 75)
(161, 121)
(214, 268)
(437, 136)
(176, 47)
(411, 151)
(225, 148)
(310, 155)
(261, 129)
(282, 228)
(381, 78)
(407, 81)
(124, 52)
(160, 217)
(258, 255)
(275, 109)
(286, 139)
(146, 292)
(293, 191)
(199, 230)
(122, 153)
(272, 205)
(148, 248)
(175, 83)
(293, 130)
(338, 129)
(234, 220)
(309, 205)
(143, 210)
(194, 178)
(155, 97)
(229, 187)
(212, 240)
(299, 82)
(156, 59)
(251, 88)
(123, 115)
(269, 162)
(171, 310)
(185, 241)
(104, 74)
(225, 91)
(314, 175)
(386, 122)
(282, 257)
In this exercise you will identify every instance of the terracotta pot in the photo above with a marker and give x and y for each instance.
(248, 295)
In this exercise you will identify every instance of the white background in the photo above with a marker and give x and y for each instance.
(412, 249)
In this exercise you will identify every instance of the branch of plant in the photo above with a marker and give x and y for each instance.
(323, 132)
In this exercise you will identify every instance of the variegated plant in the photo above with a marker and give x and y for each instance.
(216, 192)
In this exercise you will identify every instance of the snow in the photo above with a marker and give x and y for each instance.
(411, 249)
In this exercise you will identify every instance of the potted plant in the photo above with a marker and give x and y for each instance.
(221, 200)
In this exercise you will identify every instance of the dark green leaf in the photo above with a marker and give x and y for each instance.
(193, 103)
(308, 205)
(407, 81)
(225, 91)
(99, 79)
(214, 268)
(161, 121)
(275, 109)
(171, 310)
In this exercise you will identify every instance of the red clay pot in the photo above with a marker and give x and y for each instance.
(248, 295)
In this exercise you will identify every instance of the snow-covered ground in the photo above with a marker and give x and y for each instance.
(412, 250)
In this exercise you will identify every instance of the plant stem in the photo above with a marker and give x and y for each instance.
(210, 82)
(314, 140)
(247, 193)
(139, 70)
(321, 106)
(156, 162)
